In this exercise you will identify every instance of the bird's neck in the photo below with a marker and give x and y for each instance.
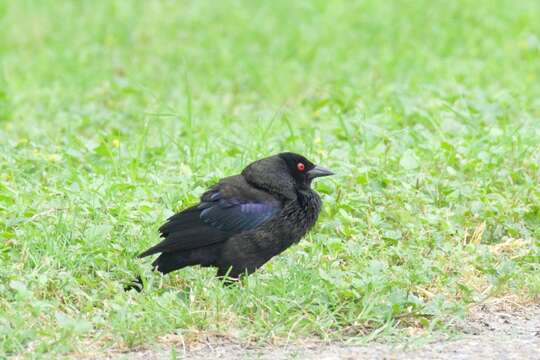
(306, 196)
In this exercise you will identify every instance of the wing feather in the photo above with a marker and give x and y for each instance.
(228, 208)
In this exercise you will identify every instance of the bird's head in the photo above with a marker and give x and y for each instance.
(285, 173)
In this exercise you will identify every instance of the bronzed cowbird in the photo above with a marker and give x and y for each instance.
(244, 220)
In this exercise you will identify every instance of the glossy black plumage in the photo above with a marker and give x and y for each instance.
(244, 220)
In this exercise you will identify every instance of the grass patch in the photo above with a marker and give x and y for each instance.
(115, 114)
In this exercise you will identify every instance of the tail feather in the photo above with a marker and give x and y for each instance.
(167, 262)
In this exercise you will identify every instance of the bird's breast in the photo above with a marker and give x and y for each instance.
(298, 217)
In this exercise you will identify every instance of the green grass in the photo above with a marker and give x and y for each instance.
(115, 114)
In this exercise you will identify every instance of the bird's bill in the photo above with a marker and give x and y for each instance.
(318, 171)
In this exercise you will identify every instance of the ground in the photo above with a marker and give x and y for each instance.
(493, 331)
(116, 114)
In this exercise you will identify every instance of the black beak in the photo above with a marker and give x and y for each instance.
(318, 171)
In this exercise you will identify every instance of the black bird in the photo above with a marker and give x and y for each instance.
(244, 220)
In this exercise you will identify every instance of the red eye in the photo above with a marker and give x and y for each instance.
(301, 167)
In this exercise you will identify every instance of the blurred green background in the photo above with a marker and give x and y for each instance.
(113, 114)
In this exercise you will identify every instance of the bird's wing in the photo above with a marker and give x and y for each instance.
(226, 209)
(234, 214)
